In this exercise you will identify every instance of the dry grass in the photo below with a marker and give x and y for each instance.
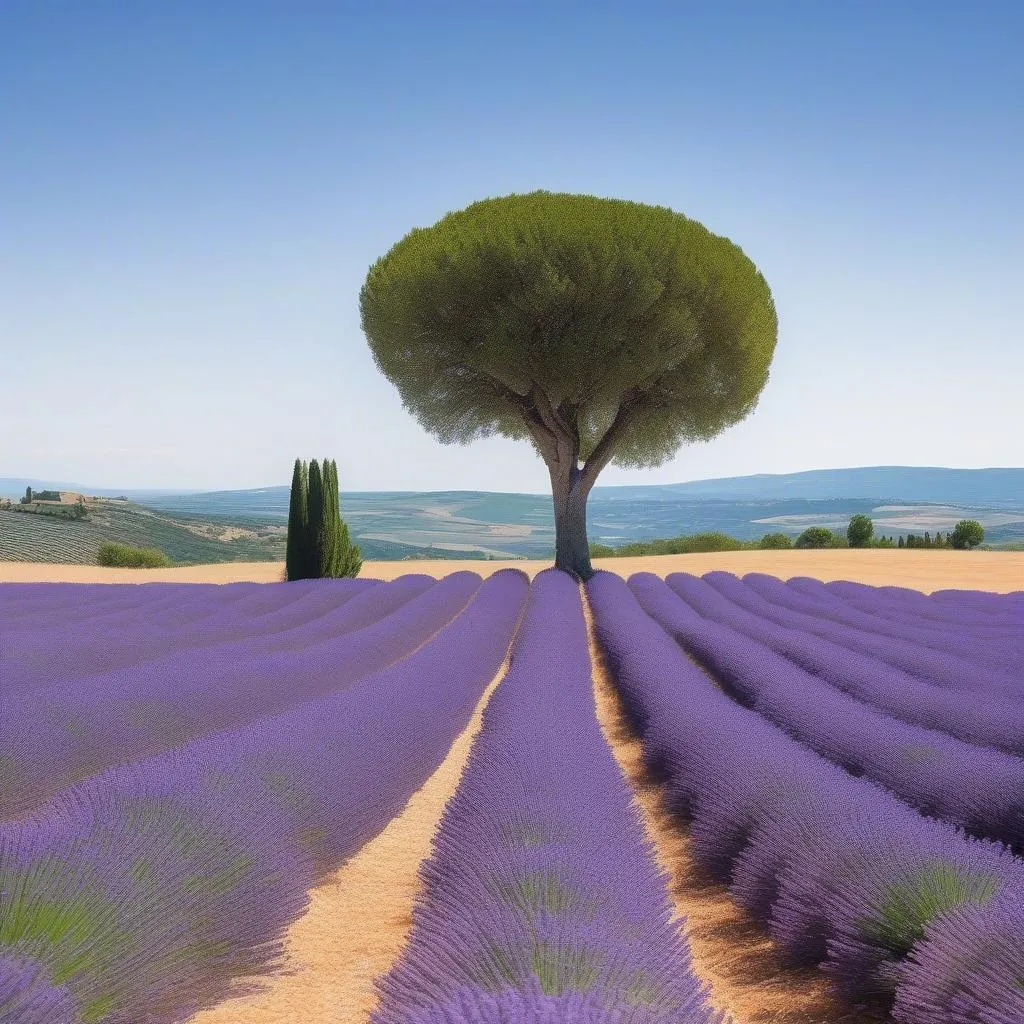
(732, 952)
(358, 921)
(999, 571)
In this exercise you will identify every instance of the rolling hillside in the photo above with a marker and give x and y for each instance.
(41, 538)
(236, 525)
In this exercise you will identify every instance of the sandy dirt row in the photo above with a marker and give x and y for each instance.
(358, 920)
(999, 571)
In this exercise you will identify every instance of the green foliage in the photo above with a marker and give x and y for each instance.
(598, 329)
(544, 289)
(319, 545)
(778, 541)
(350, 561)
(298, 521)
(817, 537)
(76, 935)
(901, 544)
(124, 555)
(561, 969)
(686, 545)
(601, 550)
(860, 531)
(54, 511)
(347, 560)
(315, 520)
(537, 891)
(28, 496)
(909, 904)
(331, 529)
(72, 540)
(968, 533)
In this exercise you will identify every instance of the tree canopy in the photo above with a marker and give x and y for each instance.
(968, 533)
(816, 537)
(601, 330)
(860, 531)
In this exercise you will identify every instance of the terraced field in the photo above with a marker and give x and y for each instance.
(27, 537)
(692, 799)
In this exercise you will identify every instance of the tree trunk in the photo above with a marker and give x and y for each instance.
(572, 550)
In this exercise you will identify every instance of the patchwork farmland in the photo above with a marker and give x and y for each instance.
(690, 799)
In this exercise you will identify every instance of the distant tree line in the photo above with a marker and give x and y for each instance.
(318, 544)
(689, 544)
(860, 533)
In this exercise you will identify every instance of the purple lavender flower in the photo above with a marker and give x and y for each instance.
(844, 873)
(541, 898)
(144, 890)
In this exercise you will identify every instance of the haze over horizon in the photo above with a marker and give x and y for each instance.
(190, 201)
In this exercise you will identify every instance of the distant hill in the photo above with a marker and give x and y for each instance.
(31, 537)
(27, 536)
(936, 485)
(196, 526)
(931, 484)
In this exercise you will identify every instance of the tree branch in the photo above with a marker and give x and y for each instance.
(605, 449)
(552, 420)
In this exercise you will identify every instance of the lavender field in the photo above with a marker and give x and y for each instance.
(182, 764)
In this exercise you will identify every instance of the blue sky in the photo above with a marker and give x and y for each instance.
(191, 194)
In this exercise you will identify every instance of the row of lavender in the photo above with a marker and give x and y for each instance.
(948, 657)
(965, 609)
(541, 901)
(759, 662)
(894, 905)
(140, 893)
(81, 638)
(918, 685)
(83, 725)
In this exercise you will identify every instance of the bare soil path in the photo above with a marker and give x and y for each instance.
(731, 951)
(999, 571)
(358, 920)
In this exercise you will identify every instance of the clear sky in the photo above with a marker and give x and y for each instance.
(191, 194)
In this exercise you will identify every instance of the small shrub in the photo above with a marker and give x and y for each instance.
(126, 556)
(601, 551)
(776, 541)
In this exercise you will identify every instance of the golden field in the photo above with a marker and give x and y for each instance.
(997, 571)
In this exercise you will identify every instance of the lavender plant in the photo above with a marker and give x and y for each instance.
(979, 789)
(845, 874)
(144, 891)
(81, 728)
(909, 652)
(541, 898)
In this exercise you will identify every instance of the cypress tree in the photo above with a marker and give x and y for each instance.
(314, 530)
(347, 557)
(900, 544)
(329, 521)
(297, 519)
(334, 559)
